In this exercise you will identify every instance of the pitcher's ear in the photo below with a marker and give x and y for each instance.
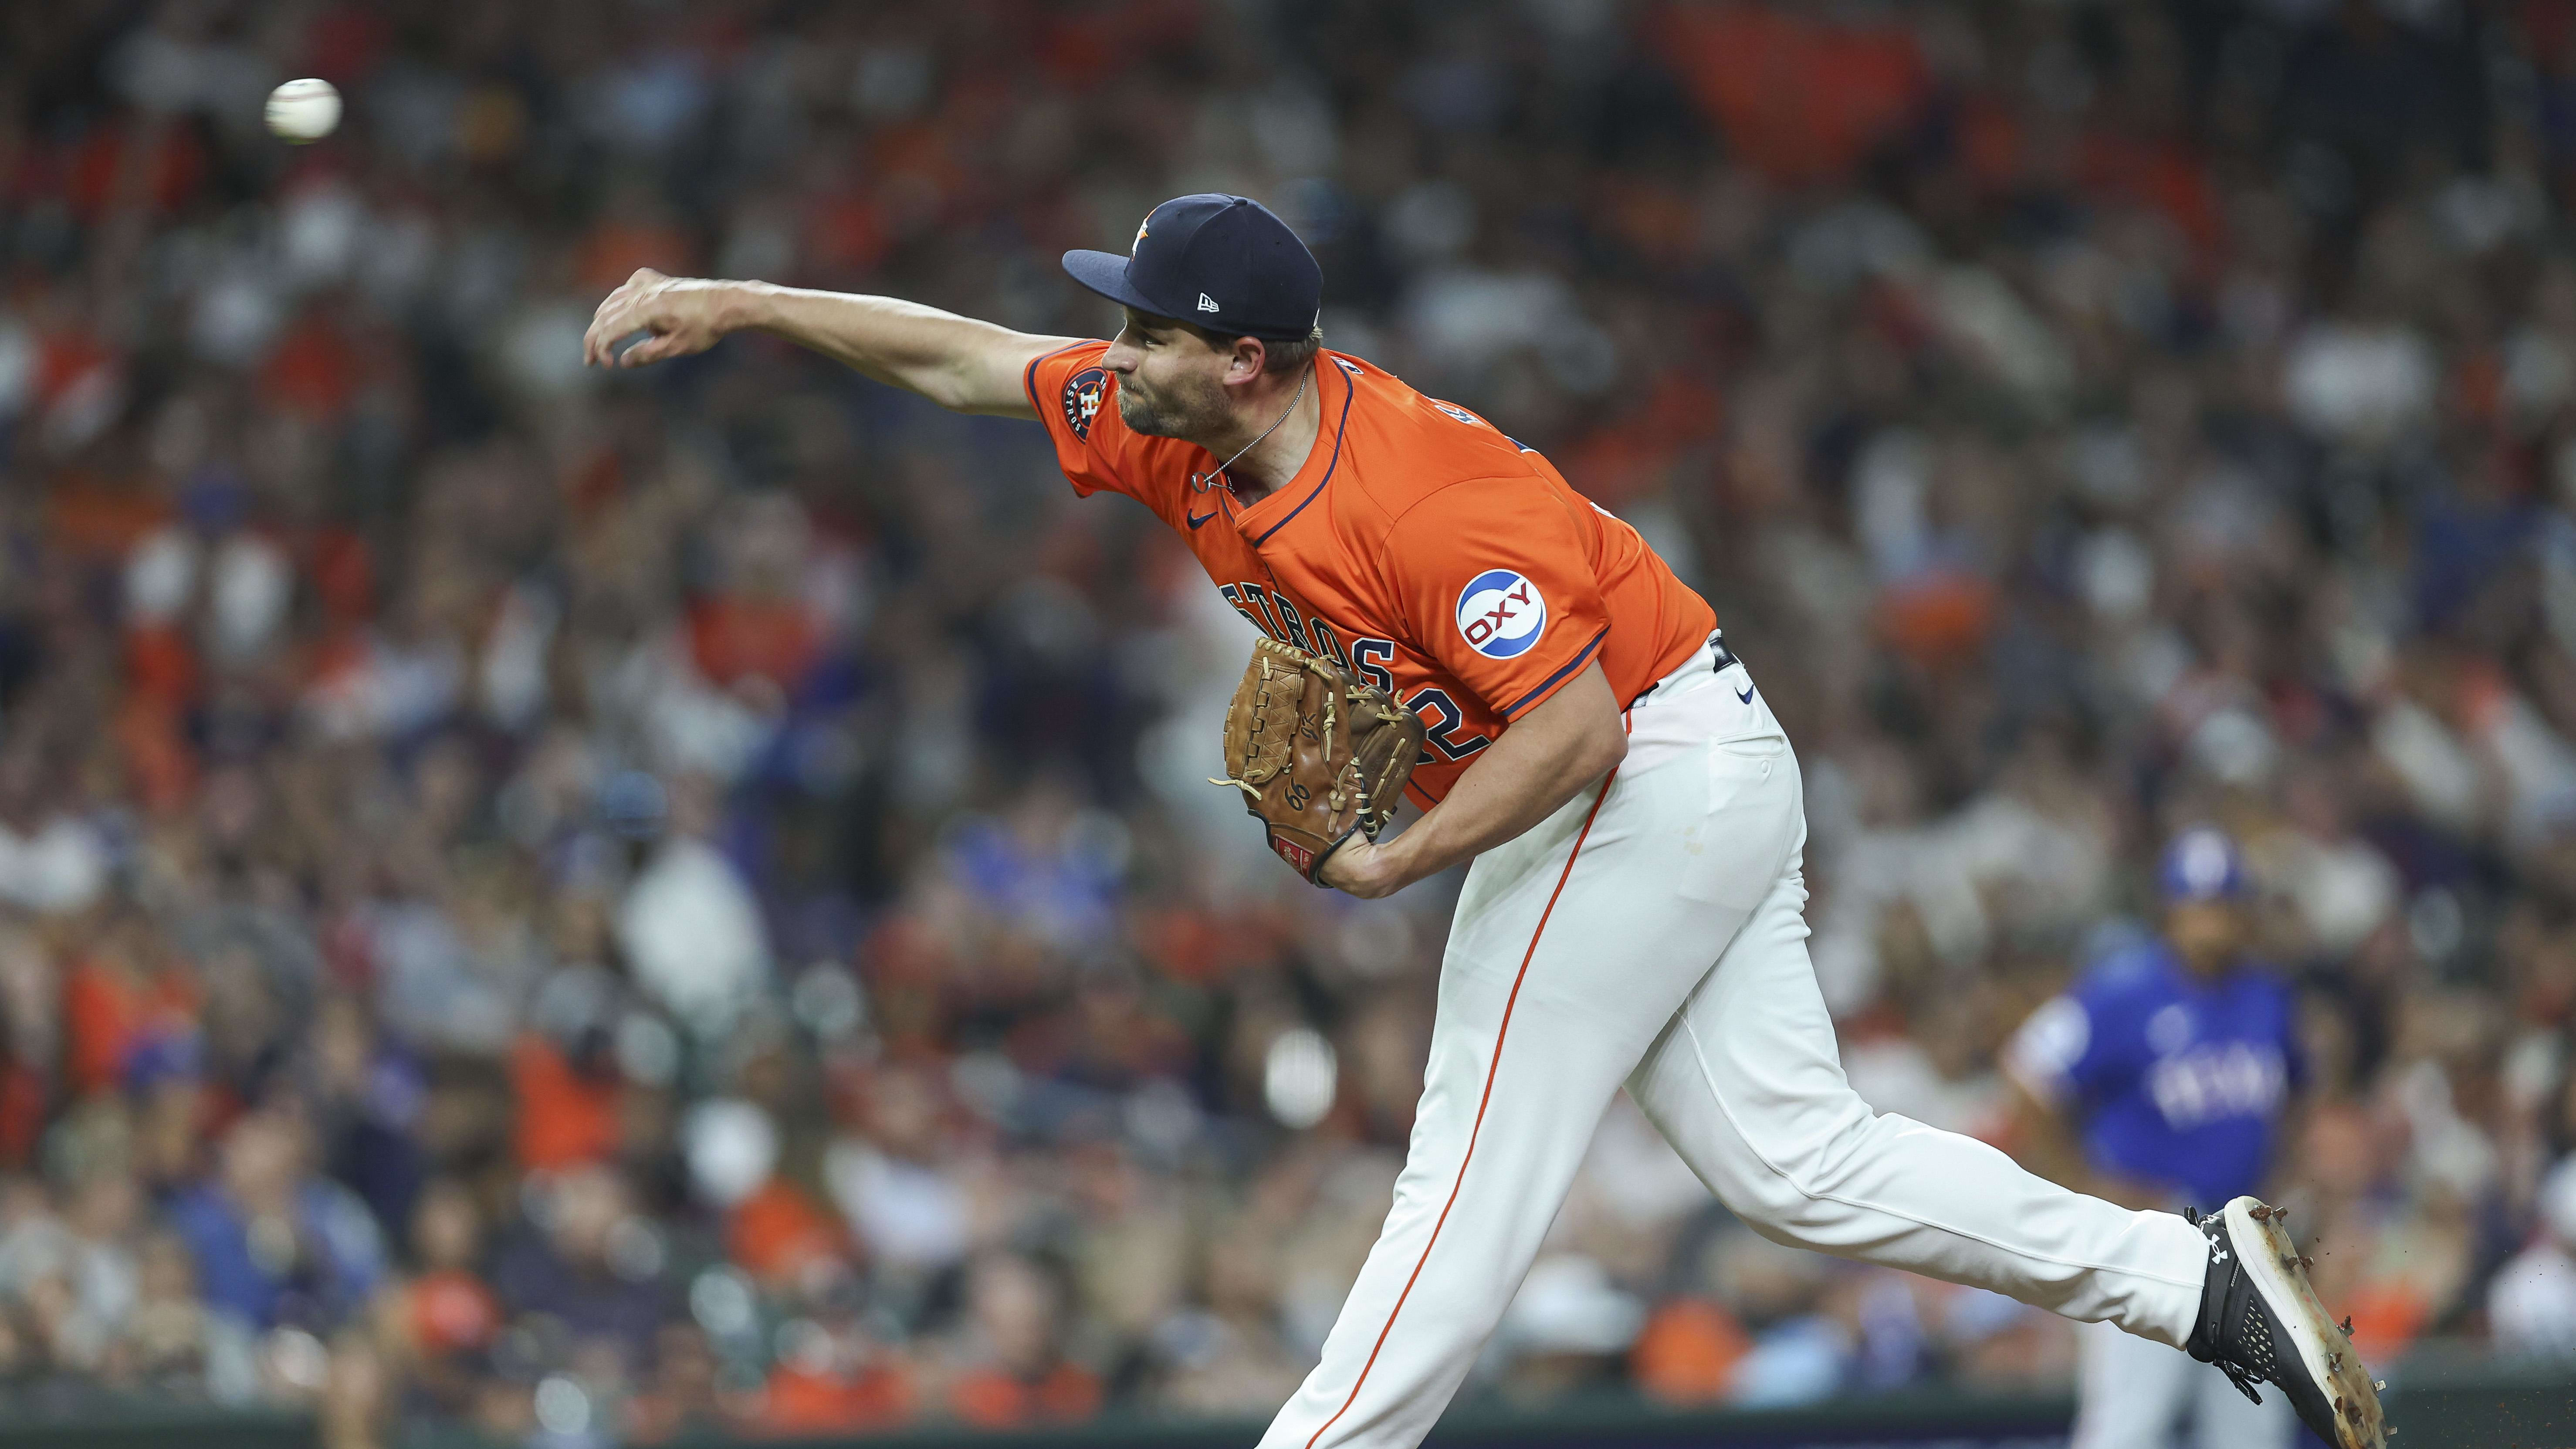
(1251, 354)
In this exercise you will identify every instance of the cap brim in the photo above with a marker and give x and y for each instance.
(1106, 273)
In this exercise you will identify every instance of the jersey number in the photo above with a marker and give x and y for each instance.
(1440, 720)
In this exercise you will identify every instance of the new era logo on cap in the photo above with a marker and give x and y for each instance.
(1193, 247)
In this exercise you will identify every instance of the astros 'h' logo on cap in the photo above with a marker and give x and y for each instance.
(1140, 233)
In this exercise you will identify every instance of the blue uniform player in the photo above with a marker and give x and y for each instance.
(2160, 1079)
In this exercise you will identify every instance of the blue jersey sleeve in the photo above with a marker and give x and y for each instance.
(2078, 1048)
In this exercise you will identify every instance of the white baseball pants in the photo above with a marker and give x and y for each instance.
(2133, 1393)
(1650, 934)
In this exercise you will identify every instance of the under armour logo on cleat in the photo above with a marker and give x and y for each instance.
(1206, 302)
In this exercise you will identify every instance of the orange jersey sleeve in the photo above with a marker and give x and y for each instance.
(1496, 582)
(1077, 400)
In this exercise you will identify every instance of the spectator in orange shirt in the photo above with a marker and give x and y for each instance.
(781, 1236)
(122, 992)
(444, 1318)
(568, 1104)
(1014, 1373)
(833, 1376)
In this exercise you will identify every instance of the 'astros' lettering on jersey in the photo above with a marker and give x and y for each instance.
(1420, 547)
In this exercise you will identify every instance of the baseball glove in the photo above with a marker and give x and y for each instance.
(1317, 752)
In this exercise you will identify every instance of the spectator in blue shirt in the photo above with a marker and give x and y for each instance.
(274, 1242)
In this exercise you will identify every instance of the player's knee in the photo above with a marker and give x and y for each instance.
(1796, 1176)
(1770, 1203)
(1760, 1188)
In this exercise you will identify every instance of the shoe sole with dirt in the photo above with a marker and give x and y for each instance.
(2339, 1386)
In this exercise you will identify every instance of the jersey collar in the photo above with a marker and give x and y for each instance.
(1279, 505)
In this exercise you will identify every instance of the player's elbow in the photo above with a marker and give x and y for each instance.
(1601, 749)
(1584, 733)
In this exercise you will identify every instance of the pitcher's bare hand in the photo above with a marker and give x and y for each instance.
(683, 315)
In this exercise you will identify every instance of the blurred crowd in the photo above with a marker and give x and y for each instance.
(590, 906)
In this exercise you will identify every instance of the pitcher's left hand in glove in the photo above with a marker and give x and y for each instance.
(1319, 753)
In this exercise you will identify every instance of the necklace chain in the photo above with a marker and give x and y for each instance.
(1200, 481)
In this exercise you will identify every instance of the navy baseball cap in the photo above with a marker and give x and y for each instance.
(2202, 864)
(1226, 263)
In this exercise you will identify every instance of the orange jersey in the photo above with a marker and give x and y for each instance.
(1418, 546)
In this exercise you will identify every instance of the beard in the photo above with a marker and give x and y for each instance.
(1193, 406)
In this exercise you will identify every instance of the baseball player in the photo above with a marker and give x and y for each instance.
(1633, 915)
(2159, 1079)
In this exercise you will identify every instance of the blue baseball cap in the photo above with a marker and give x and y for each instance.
(1226, 263)
(2202, 864)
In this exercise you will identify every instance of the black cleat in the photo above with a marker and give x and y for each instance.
(2260, 1322)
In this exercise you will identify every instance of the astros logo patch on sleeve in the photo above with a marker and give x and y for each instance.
(1082, 396)
(1501, 613)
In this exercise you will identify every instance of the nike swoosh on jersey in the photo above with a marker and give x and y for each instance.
(1744, 695)
(1200, 519)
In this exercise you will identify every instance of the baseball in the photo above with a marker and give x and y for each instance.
(302, 111)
